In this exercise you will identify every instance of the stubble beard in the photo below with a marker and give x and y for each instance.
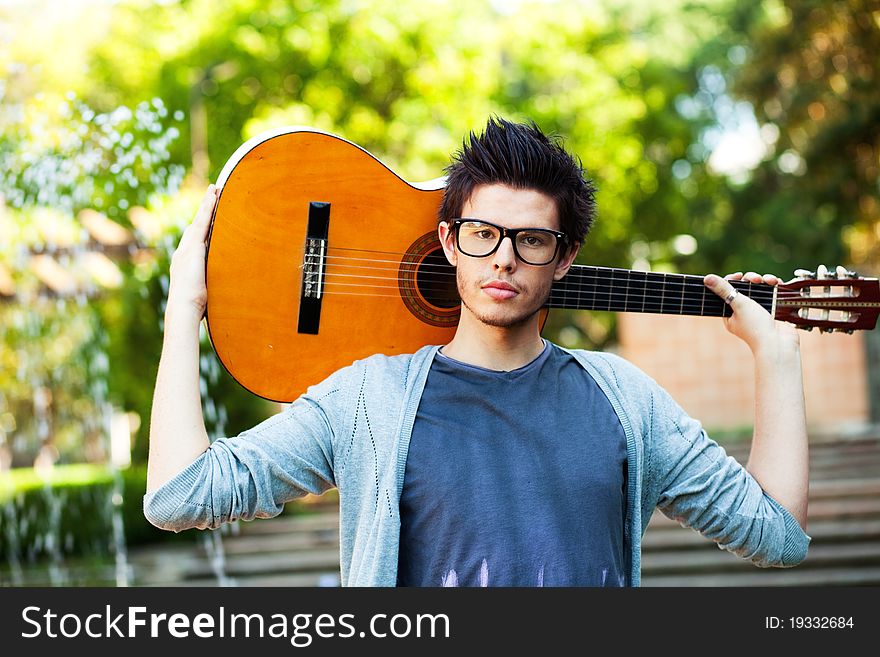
(503, 321)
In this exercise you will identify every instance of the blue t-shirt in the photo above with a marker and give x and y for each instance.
(492, 495)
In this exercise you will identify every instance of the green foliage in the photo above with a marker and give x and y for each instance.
(76, 158)
(69, 512)
(810, 70)
(53, 363)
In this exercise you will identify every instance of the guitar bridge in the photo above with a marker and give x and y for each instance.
(313, 266)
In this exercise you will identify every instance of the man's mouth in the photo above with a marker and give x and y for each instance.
(500, 290)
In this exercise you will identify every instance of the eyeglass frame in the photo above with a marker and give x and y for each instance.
(561, 238)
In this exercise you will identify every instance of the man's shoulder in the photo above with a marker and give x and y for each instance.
(613, 368)
(379, 369)
(397, 364)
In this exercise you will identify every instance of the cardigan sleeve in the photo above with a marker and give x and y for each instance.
(692, 480)
(253, 474)
(696, 483)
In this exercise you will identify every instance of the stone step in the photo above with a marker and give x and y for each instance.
(863, 576)
(822, 509)
(844, 487)
(714, 559)
(321, 559)
(324, 520)
(823, 459)
(825, 531)
(280, 541)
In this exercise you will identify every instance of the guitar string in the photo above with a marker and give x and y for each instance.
(644, 309)
(652, 310)
(562, 300)
(704, 291)
(703, 295)
(647, 305)
(578, 278)
(696, 291)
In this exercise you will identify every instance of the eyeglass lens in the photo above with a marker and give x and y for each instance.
(479, 239)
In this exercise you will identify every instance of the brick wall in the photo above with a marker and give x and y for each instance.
(711, 373)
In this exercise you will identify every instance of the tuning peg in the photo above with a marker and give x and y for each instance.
(804, 273)
(849, 331)
(825, 329)
(851, 274)
(805, 328)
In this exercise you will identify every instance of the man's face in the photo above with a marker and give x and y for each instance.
(501, 290)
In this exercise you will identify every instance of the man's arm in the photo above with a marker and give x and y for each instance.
(779, 458)
(177, 427)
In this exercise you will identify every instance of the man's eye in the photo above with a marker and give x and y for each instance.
(484, 234)
(533, 240)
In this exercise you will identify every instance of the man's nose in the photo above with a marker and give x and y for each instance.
(505, 257)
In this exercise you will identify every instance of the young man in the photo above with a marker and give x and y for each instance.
(498, 459)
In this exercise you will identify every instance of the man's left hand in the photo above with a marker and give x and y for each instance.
(749, 321)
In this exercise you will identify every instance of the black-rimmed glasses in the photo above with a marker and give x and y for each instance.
(534, 246)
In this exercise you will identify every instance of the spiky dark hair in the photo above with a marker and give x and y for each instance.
(522, 156)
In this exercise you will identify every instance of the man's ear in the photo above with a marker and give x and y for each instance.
(565, 263)
(447, 241)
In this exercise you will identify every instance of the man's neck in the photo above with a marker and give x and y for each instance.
(495, 348)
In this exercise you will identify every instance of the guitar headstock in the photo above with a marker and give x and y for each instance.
(829, 302)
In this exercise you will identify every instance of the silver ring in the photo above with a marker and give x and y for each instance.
(730, 297)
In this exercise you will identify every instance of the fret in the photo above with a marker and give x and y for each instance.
(636, 283)
(589, 283)
(653, 301)
(614, 290)
(565, 293)
(602, 289)
(662, 292)
(559, 294)
(765, 300)
(673, 294)
(693, 295)
(626, 293)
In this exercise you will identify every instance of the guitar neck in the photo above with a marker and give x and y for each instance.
(624, 290)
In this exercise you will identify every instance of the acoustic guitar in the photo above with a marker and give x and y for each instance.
(319, 254)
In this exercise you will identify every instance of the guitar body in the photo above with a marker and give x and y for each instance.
(256, 251)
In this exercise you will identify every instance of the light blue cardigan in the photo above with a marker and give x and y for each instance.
(352, 431)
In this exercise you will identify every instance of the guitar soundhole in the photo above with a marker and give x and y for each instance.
(436, 281)
(427, 283)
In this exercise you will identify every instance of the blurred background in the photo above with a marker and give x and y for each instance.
(723, 135)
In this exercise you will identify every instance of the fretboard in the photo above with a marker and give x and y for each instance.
(625, 290)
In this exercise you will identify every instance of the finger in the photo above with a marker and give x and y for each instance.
(722, 288)
(752, 277)
(206, 208)
(735, 276)
(771, 279)
(198, 229)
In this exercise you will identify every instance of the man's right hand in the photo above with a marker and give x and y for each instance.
(187, 291)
